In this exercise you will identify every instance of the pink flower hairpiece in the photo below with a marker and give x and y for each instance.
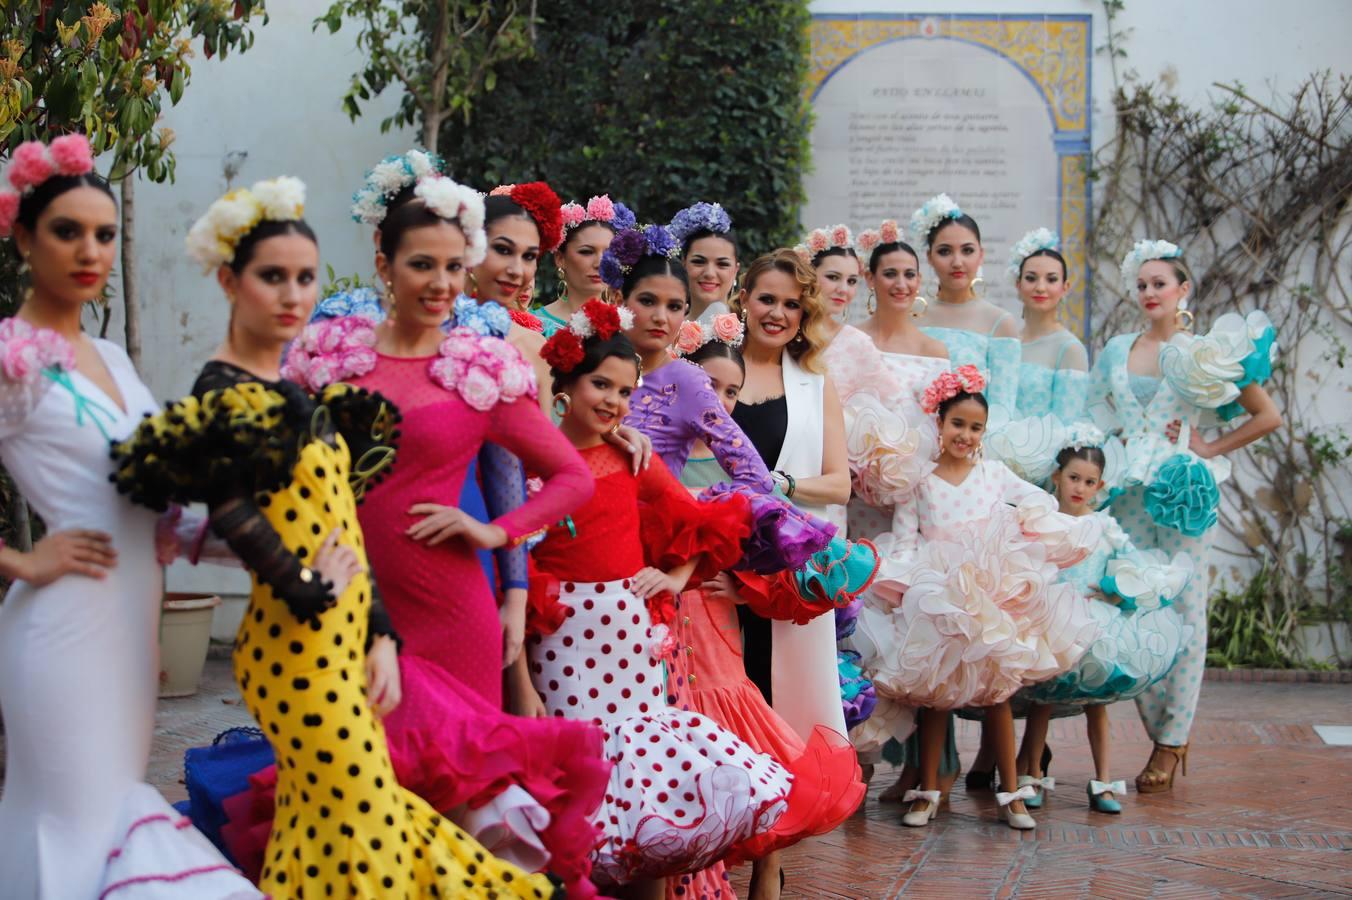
(889, 232)
(725, 327)
(819, 240)
(33, 163)
(964, 379)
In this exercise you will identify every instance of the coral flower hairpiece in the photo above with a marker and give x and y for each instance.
(213, 238)
(889, 232)
(964, 379)
(596, 318)
(33, 163)
(820, 240)
(725, 327)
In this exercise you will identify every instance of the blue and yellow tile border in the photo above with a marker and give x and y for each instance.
(1053, 52)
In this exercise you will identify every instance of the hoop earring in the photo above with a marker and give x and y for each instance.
(981, 281)
(1183, 320)
(561, 399)
(871, 304)
(924, 307)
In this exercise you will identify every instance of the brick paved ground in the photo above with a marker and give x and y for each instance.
(1264, 811)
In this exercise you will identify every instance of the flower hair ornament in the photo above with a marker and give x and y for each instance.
(934, 211)
(213, 238)
(542, 205)
(889, 232)
(598, 209)
(630, 246)
(463, 205)
(964, 379)
(33, 163)
(1032, 242)
(1143, 252)
(725, 327)
(819, 240)
(563, 351)
(1080, 435)
(699, 217)
(387, 178)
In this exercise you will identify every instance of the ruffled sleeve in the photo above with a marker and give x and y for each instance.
(1067, 539)
(245, 437)
(1210, 371)
(783, 536)
(897, 551)
(370, 425)
(675, 527)
(32, 360)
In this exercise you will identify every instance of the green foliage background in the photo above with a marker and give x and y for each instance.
(659, 103)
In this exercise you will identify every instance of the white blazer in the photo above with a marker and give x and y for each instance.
(805, 681)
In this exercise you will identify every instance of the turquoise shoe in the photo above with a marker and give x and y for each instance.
(1100, 803)
(1040, 785)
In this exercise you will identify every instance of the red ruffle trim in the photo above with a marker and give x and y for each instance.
(777, 597)
(544, 612)
(674, 533)
(827, 789)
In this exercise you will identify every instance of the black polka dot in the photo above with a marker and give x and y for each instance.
(291, 515)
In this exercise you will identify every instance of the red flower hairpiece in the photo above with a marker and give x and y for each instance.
(563, 351)
(542, 204)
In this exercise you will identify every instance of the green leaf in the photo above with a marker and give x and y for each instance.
(176, 87)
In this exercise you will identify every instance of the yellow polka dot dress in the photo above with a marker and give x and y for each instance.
(343, 826)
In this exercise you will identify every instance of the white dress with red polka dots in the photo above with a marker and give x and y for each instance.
(968, 608)
(683, 791)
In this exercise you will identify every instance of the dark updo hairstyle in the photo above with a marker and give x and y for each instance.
(960, 396)
(730, 236)
(655, 265)
(403, 214)
(964, 220)
(717, 349)
(833, 251)
(875, 258)
(265, 229)
(596, 350)
(1050, 253)
(1092, 455)
(32, 205)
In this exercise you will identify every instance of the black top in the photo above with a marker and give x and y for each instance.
(765, 424)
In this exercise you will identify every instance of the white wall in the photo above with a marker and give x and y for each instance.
(276, 109)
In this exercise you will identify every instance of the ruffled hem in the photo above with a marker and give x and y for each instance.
(980, 613)
(716, 528)
(530, 785)
(1147, 579)
(783, 537)
(1133, 652)
(830, 580)
(858, 697)
(889, 454)
(683, 793)
(159, 856)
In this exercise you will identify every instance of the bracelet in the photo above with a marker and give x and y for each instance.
(785, 481)
(793, 486)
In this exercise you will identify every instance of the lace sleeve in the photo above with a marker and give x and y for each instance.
(504, 488)
(521, 428)
(238, 521)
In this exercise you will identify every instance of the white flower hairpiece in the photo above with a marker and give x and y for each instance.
(1083, 434)
(213, 238)
(387, 178)
(464, 205)
(1030, 243)
(819, 240)
(934, 211)
(1142, 253)
(580, 324)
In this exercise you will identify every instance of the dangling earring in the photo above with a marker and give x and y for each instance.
(387, 298)
(1182, 318)
(563, 283)
(561, 404)
(871, 305)
(941, 446)
(743, 318)
(979, 454)
(23, 265)
(473, 286)
(924, 307)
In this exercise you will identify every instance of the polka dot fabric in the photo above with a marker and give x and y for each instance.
(343, 825)
(682, 790)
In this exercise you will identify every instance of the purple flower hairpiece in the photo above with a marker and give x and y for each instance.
(699, 217)
(624, 218)
(630, 246)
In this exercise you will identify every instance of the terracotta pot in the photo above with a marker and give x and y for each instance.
(185, 633)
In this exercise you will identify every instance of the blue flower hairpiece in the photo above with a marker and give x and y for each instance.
(699, 217)
(630, 246)
(387, 178)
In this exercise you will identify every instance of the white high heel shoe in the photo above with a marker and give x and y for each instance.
(1019, 821)
(918, 817)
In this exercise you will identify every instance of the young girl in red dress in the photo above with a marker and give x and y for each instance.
(683, 791)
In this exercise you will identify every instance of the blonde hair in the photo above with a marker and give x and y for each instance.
(806, 348)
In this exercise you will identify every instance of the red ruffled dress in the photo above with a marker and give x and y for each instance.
(683, 791)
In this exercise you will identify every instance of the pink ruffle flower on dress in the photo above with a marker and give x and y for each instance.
(484, 371)
(331, 351)
(28, 350)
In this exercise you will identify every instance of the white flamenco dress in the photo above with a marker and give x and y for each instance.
(79, 661)
(967, 608)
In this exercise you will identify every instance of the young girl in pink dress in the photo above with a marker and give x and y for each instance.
(683, 792)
